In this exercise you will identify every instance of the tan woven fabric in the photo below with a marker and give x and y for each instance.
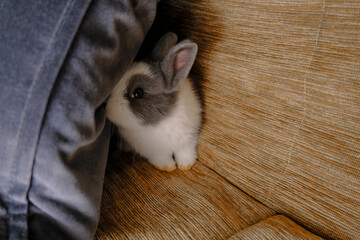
(141, 202)
(277, 227)
(282, 96)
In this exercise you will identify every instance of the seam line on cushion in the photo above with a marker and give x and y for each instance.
(278, 214)
(237, 187)
(320, 26)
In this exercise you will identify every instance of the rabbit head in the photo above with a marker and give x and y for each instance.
(147, 92)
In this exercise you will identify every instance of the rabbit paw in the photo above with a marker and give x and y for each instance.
(186, 158)
(167, 165)
(166, 168)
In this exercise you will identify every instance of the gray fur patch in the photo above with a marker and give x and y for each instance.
(156, 102)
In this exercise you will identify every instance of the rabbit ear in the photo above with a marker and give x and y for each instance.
(163, 45)
(177, 63)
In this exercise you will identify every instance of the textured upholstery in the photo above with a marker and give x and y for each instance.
(141, 202)
(281, 85)
(282, 96)
(277, 227)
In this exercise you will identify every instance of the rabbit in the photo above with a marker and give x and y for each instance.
(156, 108)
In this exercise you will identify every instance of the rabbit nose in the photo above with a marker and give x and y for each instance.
(105, 102)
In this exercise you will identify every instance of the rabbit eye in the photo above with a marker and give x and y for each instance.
(137, 93)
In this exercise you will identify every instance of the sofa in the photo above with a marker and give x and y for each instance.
(279, 149)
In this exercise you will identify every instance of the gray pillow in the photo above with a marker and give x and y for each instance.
(58, 63)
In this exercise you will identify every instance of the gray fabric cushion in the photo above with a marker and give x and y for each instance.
(54, 135)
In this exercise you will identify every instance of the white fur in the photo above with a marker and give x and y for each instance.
(176, 134)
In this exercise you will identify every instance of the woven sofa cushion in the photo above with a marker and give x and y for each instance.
(141, 202)
(276, 227)
(282, 96)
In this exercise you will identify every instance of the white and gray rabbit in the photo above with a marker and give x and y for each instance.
(156, 108)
